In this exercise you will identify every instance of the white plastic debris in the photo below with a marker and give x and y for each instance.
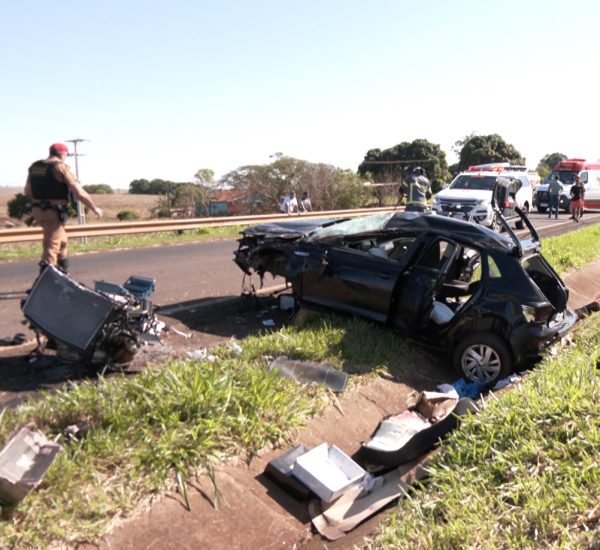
(234, 346)
(268, 323)
(201, 354)
(448, 389)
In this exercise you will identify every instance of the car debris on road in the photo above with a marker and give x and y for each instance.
(101, 327)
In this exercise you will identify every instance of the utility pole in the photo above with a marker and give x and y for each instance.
(80, 208)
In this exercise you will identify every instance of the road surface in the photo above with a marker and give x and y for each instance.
(184, 273)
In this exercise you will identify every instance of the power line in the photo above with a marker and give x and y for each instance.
(80, 209)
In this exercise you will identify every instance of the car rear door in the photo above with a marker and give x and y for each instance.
(353, 281)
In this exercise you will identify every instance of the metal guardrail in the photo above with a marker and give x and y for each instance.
(25, 234)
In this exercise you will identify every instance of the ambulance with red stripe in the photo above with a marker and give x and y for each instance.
(589, 172)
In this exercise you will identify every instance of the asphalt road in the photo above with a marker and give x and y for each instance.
(183, 273)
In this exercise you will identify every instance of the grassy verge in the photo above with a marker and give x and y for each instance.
(15, 252)
(173, 421)
(572, 250)
(524, 473)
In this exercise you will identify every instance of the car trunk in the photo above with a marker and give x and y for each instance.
(546, 279)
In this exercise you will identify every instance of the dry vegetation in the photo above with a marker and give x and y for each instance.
(110, 204)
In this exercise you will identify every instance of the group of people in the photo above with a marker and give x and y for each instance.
(576, 193)
(291, 205)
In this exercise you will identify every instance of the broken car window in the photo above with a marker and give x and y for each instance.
(356, 225)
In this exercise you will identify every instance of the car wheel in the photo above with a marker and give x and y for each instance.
(519, 224)
(541, 209)
(483, 357)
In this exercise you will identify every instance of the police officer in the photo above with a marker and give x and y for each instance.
(417, 189)
(49, 183)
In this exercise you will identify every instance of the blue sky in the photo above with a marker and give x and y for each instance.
(162, 89)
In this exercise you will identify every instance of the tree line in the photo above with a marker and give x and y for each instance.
(261, 187)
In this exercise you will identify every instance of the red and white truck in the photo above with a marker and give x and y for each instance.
(589, 172)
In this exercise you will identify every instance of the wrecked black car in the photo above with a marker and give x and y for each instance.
(491, 300)
(104, 327)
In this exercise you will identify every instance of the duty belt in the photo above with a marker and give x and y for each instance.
(61, 209)
(47, 205)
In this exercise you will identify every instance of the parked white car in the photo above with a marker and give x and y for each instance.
(469, 195)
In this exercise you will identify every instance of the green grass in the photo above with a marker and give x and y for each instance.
(16, 252)
(572, 250)
(174, 420)
(524, 473)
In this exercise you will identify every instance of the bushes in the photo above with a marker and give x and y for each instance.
(126, 215)
(99, 189)
(19, 206)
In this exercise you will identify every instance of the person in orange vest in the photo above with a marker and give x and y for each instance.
(49, 183)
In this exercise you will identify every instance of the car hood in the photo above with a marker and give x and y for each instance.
(465, 194)
(288, 229)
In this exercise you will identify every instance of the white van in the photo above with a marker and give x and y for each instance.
(567, 170)
(469, 196)
(591, 180)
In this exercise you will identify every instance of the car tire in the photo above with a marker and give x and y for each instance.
(483, 357)
(520, 224)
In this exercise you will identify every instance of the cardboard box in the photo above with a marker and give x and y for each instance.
(327, 471)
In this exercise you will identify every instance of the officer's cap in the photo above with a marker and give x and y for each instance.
(58, 148)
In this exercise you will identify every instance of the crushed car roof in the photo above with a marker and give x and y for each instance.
(413, 222)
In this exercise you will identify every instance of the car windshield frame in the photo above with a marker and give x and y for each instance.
(474, 182)
(363, 224)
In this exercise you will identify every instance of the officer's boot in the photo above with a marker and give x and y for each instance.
(63, 265)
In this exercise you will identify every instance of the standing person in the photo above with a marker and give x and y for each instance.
(555, 188)
(577, 195)
(290, 204)
(304, 204)
(417, 189)
(49, 183)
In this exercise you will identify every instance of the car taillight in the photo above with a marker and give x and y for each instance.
(539, 312)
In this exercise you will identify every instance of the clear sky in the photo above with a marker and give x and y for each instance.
(162, 89)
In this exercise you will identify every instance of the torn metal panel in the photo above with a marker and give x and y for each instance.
(305, 372)
(23, 463)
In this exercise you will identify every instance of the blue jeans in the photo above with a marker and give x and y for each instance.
(553, 202)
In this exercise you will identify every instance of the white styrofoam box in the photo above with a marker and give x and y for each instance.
(327, 471)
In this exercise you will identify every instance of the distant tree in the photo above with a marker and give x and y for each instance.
(205, 176)
(140, 187)
(393, 164)
(99, 189)
(329, 187)
(19, 206)
(191, 195)
(547, 163)
(484, 149)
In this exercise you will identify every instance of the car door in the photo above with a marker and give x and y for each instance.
(420, 283)
(352, 281)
